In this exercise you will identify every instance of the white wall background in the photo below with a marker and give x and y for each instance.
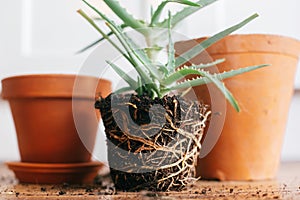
(42, 36)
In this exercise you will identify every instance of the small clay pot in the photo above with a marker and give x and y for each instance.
(43, 108)
(249, 146)
(53, 173)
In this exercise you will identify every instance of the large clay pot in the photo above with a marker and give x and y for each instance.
(43, 108)
(250, 142)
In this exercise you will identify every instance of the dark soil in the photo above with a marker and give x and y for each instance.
(152, 144)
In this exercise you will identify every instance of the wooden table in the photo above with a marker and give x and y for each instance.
(286, 186)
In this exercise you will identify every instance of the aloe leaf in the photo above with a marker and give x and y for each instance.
(132, 83)
(130, 59)
(132, 53)
(176, 76)
(91, 45)
(124, 15)
(188, 83)
(143, 58)
(135, 55)
(103, 16)
(163, 69)
(202, 80)
(171, 50)
(208, 42)
(132, 49)
(151, 10)
(99, 40)
(139, 89)
(221, 86)
(85, 16)
(206, 78)
(205, 65)
(126, 43)
(157, 13)
(115, 30)
(185, 2)
(239, 71)
(179, 16)
(152, 48)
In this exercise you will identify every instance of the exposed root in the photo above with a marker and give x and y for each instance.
(152, 144)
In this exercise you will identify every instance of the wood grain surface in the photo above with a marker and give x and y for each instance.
(286, 186)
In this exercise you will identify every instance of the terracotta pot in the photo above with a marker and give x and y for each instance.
(249, 146)
(53, 173)
(43, 108)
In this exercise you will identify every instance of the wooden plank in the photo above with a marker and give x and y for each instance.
(286, 186)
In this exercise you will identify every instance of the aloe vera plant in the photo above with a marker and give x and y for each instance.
(157, 79)
(153, 138)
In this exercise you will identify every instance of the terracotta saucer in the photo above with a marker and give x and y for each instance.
(44, 173)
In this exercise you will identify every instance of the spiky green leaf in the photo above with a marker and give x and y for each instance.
(133, 53)
(181, 15)
(85, 16)
(202, 80)
(91, 45)
(207, 78)
(171, 50)
(129, 46)
(239, 71)
(143, 58)
(99, 40)
(157, 13)
(221, 86)
(125, 16)
(139, 90)
(206, 65)
(180, 74)
(132, 83)
(185, 2)
(208, 42)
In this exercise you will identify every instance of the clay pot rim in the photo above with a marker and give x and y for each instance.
(45, 173)
(53, 166)
(53, 76)
(242, 44)
(51, 90)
